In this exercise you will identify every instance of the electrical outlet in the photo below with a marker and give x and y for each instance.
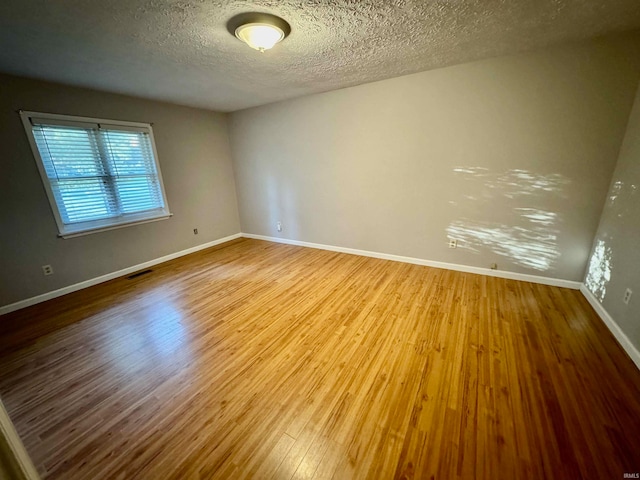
(494, 266)
(195, 231)
(279, 226)
(47, 269)
(453, 243)
(627, 296)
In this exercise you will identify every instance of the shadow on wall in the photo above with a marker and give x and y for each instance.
(527, 232)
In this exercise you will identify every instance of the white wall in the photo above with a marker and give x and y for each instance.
(615, 263)
(512, 156)
(194, 156)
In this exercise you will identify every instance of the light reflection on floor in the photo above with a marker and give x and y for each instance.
(527, 233)
(155, 335)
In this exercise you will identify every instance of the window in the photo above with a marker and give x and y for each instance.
(98, 174)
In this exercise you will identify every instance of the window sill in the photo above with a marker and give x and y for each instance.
(89, 231)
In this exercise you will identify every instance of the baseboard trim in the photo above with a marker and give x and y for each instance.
(556, 282)
(110, 276)
(613, 327)
(365, 253)
(617, 332)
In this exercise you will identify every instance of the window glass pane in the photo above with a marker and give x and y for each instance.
(130, 158)
(129, 153)
(82, 200)
(68, 152)
(139, 193)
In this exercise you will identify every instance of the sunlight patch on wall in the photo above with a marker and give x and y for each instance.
(538, 216)
(599, 273)
(526, 232)
(529, 247)
(616, 189)
(516, 182)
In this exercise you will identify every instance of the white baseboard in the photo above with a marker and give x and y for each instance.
(385, 256)
(110, 276)
(617, 332)
(611, 324)
(624, 341)
(556, 282)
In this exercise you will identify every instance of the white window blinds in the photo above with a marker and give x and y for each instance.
(97, 175)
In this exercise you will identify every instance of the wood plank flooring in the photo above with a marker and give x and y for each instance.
(268, 361)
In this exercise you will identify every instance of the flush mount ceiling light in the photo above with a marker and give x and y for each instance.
(259, 30)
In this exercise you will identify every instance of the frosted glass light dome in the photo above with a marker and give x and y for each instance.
(261, 36)
(259, 30)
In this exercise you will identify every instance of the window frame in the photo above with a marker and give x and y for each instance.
(100, 225)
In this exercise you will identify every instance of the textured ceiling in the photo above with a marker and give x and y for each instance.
(180, 51)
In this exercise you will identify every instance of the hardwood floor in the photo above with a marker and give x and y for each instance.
(260, 360)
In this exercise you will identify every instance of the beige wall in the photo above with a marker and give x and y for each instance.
(615, 264)
(512, 156)
(193, 151)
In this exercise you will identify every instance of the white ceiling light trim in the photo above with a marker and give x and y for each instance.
(261, 31)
